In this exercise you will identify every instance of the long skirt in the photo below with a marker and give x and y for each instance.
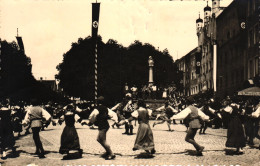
(69, 140)
(6, 135)
(235, 134)
(144, 138)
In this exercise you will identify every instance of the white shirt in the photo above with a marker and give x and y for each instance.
(183, 114)
(135, 114)
(95, 112)
(45, 115)
(256, 114)
(163, 107)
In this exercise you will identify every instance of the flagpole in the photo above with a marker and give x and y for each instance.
(95, 18)
(96, 71)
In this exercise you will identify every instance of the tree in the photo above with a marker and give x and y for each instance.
(16, 79)
(117, 65)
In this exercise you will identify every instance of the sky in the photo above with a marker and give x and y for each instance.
(48, 27)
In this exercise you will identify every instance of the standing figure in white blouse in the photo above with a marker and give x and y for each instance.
(144, 138)
(194, 116)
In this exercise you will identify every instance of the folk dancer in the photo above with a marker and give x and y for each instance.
(235, 133)
(168, 112)
(144, 138)
(194, 115)
(69, 137)
(99, 117)
(6, 130)
(34, 117)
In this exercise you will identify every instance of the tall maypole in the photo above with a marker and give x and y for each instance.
(95, 19)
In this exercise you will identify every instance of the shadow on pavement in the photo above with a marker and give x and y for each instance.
(214, 135)
(231, 152)
(144, 156)
(72, 156)
(14, 155)
(193, 153)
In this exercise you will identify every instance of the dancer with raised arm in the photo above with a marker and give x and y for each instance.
(144, 138)
(168, 112)
(100, 116)
(193, 115)
(69, 137)
(35, 116)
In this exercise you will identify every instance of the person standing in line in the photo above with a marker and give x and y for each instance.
(34, 117)
(194, 115)
(99, 117)
(144, 138)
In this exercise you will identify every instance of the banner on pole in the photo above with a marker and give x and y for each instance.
(95, 19)
(198, 57)
(20, 43)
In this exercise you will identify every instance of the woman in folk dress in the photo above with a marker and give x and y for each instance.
(69, 136)
(6, 130)
(144, 138)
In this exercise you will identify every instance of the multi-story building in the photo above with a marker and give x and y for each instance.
(206, 31)
(187, 65)
(229, 38)
(231, 52)
(253, 32)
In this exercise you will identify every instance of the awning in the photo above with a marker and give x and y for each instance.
(252, 91)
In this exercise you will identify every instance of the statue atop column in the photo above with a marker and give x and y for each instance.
(151, 64)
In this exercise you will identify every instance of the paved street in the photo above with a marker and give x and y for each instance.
(170, 149)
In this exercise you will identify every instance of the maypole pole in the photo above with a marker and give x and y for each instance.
(95, 19)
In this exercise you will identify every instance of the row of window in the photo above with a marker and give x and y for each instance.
(232, 79)
(253, 35)
(253, 67)
(198, 88)
(251, 7)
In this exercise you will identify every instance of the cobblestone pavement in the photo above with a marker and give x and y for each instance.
(171, 149)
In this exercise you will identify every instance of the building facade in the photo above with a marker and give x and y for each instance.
(198, 77)
(252, 30)
(228, 42)
(231, 49)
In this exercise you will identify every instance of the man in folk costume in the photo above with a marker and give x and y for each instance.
(168, 112)
(100, 116)
(128, 109)
(35, 116)
(194, 115)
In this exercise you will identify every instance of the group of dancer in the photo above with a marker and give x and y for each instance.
(242, 118)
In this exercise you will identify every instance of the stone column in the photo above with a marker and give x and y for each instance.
(151, 64)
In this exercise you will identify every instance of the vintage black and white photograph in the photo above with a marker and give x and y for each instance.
(129, 82)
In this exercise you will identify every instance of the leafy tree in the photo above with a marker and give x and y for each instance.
(16, 79)
(117, 65)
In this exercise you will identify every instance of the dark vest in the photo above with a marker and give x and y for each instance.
(102, 117)
(194, 119)
(36, 116)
